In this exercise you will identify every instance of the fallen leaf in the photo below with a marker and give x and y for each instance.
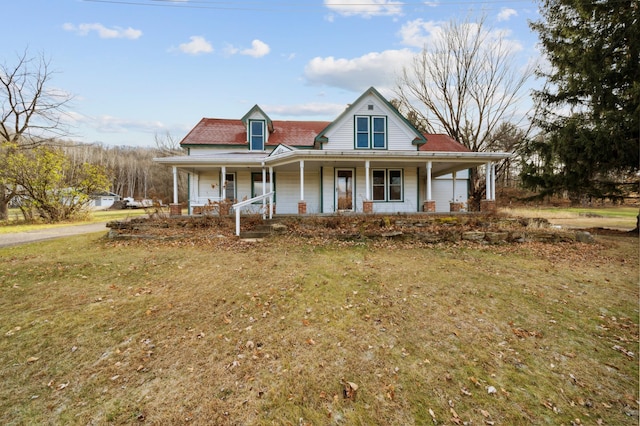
(32, 359)
(349, 390)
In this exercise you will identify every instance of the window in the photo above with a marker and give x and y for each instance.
(256, 184)
(371, 132)
(386, 185)
(256, 135)
(362, 132)
(230, 186)
(379, 185)
(379, 133)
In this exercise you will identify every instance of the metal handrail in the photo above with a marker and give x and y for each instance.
(238, 206)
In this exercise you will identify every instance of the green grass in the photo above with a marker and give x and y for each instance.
(263, 334)
(17, 224)
(606, 217)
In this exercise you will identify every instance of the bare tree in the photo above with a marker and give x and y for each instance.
(465, 84)
(31, 112)
(168, 145)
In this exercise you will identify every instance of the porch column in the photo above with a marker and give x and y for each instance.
(453, 194)
(367, 190)
(194, 197)
(302, 205)
(175, 185)
(488, 205)
(301, 180)
(429, 205)
(271, 197)
(264, 192)
(493, 181)
(429, 167)
(488, 180)
(175, 209)
(223, 182)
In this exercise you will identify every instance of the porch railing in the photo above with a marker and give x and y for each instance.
(264, 198)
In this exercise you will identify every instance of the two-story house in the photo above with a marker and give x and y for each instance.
(369, 159)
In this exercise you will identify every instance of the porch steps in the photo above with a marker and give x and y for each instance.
(269, 227)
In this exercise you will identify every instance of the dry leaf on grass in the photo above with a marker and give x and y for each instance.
(349, 390)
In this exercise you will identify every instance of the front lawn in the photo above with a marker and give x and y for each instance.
(273, 333)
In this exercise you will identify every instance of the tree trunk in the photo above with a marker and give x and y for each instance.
(637, 230)
(4, 203)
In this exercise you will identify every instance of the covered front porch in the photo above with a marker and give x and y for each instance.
(317, 182)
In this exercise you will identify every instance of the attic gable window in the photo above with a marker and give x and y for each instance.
(256, 135)
(370, 132)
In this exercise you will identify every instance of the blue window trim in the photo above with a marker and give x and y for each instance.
(262, 137)
(387, 185)
(366, 128)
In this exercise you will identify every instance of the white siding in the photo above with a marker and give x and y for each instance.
(288, 192)
(209, 185)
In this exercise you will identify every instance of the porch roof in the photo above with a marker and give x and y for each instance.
(443, 162)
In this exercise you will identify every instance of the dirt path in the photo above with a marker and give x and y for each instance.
(17, 238)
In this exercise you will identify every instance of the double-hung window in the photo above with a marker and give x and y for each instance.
(256, 135)
(387, 185)
(371, 132)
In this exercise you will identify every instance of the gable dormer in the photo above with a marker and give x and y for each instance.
(370, 123)
(259, 126)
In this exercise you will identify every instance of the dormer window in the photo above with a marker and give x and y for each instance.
(371, 132)
(256, 135)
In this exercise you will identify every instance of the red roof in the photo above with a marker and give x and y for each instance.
(220, 131)
(442, 143)
(217, 131)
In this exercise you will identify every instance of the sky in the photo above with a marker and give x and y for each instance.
(138, 70)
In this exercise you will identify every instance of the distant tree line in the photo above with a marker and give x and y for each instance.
(131, 170)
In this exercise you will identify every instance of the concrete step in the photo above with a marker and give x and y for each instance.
(262, 231)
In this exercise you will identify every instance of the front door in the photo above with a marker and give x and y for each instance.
(344, 190)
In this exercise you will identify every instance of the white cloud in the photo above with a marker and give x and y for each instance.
(419, 33)
(258, 49)
(111, 124)
(506, 14)
(365, 8)
(196, 46)
(373, 69)
(305, 110)
(103, 32)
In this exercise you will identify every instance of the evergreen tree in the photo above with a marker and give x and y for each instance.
(590, 105)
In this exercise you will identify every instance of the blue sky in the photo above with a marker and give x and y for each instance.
(141, 68)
